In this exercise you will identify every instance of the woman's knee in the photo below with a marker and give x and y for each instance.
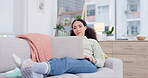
(68, 59)
(93, 69)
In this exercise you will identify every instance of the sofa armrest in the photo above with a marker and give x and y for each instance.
(116, 65)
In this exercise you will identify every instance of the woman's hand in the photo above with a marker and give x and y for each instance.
(91, 59)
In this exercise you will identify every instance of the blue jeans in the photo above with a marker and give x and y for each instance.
(70, 65)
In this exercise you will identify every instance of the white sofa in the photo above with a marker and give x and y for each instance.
(113, 67)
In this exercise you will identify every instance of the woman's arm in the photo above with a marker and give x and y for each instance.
(98, 54)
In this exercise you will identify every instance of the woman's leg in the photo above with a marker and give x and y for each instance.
(57, 66)
(70, 65)
(31, 69)
(41, 68)
(26, 69)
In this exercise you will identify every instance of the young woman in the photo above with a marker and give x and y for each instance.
(93, 57)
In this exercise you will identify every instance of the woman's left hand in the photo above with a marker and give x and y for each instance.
(91, 59)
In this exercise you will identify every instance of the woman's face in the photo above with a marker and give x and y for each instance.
(79, 28)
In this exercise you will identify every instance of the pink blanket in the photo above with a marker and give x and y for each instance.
(40, 46)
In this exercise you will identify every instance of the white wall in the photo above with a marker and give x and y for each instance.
(6, 16)
(41, 22)
(121, 27)
(11, 17)
(18, 20)
(122, 20)
(112, 13)
(104, 17)
(144, 17)
(22, 16)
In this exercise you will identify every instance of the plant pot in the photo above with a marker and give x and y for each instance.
(57, 32)
(110, 37)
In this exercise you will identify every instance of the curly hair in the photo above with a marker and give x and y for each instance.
(89, 32)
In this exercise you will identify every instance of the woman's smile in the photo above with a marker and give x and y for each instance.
(79, 32)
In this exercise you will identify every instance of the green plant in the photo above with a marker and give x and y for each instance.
(66, 21)
(132, 10)
(78, 16)
(59, 27)
(126, 11)
(110, 31)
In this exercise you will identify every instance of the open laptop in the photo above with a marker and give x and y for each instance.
(67, 46)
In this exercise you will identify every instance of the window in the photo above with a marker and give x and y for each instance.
(133, 9)
(91, 10)
(129, 17)
(133, 28)
(133, 5)
(133, 17)
(103, 9)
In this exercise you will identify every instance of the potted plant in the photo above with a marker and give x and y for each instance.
(109, 35)
(66, 21)
(126, 11)
(78, 16)
(58, 28)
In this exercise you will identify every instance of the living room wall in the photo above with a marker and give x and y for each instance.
(12, 17)
(41, 21)
(24, 16)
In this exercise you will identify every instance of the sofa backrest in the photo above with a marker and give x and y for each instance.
(8, 46)
(21, 48)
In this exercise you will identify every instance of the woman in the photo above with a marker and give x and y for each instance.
(93, 57)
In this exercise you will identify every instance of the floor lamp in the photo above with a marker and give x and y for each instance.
(99, 28)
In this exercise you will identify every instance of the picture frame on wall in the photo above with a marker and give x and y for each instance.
(40, 6)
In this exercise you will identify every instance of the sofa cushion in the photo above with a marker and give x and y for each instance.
(65, 76)
(8, 46)
(3, 76)
(58, 76)
(101, 73)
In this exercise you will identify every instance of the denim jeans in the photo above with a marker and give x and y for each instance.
(70, 65)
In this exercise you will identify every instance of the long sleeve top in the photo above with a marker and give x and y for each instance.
(93, 49)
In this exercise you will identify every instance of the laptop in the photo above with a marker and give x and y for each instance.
(67, 46)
